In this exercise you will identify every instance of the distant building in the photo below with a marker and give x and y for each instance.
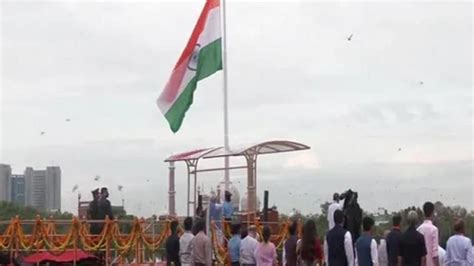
(18, 189)
(43, 188)
(5, 176)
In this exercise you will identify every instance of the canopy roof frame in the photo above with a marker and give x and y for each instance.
(249, 152)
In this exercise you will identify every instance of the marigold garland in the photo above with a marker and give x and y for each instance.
(44, 236)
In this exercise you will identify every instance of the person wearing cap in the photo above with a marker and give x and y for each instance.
(93, 212)
(248, 245)
(227, 208)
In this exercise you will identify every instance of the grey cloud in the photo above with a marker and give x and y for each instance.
(292, 75)
(395, 112)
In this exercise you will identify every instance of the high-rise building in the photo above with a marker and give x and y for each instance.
(5, 176)
(18, 189)
(43, 188)
(53, 188)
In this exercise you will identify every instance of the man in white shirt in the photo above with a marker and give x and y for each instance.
(248, 245)
(383, 256)
(184, 243)
(441, 256)
(338, 249)
(332, 208)
(459, 248)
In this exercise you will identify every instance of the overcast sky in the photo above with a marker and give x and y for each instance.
(388, 113)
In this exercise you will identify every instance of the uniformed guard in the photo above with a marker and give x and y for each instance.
(93, 212)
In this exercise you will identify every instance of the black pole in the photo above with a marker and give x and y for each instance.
(265, 206)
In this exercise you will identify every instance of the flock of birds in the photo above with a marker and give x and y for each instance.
(120, 187)
(97, 178)
(349, 38)
(42, 133)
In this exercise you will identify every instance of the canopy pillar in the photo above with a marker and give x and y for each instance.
(171, 190)
(192, 172)
(251, 158)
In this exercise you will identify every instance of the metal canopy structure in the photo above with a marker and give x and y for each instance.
(249, 152)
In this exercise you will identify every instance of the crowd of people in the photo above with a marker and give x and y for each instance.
(418, 245)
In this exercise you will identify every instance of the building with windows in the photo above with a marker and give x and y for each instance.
(43, 188)
(5, 176)
(18, 189)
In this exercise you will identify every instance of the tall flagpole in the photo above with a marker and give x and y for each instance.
(226, 117)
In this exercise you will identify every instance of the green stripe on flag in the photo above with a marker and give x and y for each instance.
(209, 62)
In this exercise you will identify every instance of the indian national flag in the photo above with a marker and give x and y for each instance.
(201, 58)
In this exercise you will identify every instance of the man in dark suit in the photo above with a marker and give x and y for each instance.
(338, 248)
(93, 212)
(393, 240)
(172, 246)
(105, 208)
(412, 249)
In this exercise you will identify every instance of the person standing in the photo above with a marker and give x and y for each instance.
(393, 241)
(459, 250)
(338, 244)
(430, 233)
(215, 210)
(441, 256)
(265, 253)
(289, 248)
(234, 245)
(309, 248)
(366, 246)
(248, 245)
(412, 248)
(105, 208)
(227, 208)
(383, 255)
(201, 248)
(185, 241)
(93, 213)
(335, 205)
(172, 245)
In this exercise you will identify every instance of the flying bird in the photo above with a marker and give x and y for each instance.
(350, 37)
(119, 187)
(399, 149)
(42, 133)
(68, 120)
(421, 83)
(96, 178)
(75, 188)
